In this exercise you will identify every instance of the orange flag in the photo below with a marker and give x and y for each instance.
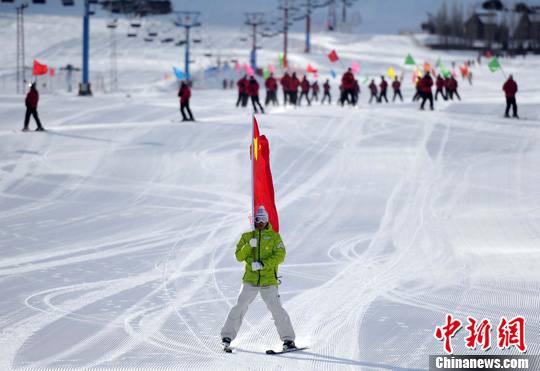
(263, 185)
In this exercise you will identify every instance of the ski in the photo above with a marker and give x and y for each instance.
(273, 352)
(227, 349)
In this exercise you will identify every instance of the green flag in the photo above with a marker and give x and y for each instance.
(366, 79)
(494, 64)
(266, 73)
(446, 73)
(409, 60)
(439, 64)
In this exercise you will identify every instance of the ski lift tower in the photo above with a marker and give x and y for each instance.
(84, 86)
(254, 19)
(187, 20)
(21, 63)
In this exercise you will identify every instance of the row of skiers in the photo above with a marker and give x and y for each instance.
(248, 88)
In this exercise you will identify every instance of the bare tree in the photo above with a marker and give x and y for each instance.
(442, 26)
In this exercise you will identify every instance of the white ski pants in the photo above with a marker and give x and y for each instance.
(270, 296)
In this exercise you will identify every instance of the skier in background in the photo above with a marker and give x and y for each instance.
(396, 85)
(286, 87)
(294, 83)
(31, 102)
(425, 87)
(440, 84)
(253, 92)
(383, 86)
(185, 95)
(347, 80)
(510, 89)
(242, 91)
(373, 90)
(261, 251)
(315, 91)
(418, 93)
(304, 91)
(271, 90)
(326, 88)
(356, 92)
(452, 88)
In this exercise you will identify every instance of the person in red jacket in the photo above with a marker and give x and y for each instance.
(326, 88)
(294, 83)
(452, 88)
(185, 94)
(425, 87)
(396, 85)
(356, 92)
(253, 91)
(242, 91)
(286, 87)
(510, 89)
(315, 91)
(31, 102)
(383, 86)
(347, 81)
(304, 91)
(271, 89)
(373, 90)
(440, 84)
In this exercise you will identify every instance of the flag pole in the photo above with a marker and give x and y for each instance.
(252, 168)
(502, 71)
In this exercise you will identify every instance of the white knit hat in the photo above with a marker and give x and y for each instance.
(261, 214)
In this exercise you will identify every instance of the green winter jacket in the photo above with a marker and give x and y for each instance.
(270, 251)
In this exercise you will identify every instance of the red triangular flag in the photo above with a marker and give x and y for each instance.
(263, 186)
(310, 69)
(39, 69)
(333, 56)
(52, 72)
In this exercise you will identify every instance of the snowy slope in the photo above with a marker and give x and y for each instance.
(118, 225)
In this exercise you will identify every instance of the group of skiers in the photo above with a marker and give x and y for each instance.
(295, 90)
(248, 89)
(380, 94)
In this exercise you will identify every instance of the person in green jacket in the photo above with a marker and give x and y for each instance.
(262, 251)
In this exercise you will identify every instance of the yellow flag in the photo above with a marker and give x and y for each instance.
(391, 73)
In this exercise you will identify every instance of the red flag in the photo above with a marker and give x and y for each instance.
(333, 56)
(39, 69)
(263, 186)
(52, 72)
(310, 69)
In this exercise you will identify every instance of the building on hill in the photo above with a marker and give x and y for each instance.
(491, 26)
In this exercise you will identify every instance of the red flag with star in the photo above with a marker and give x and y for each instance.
(263, 185)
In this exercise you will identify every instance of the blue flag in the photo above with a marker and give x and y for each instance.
(179, 74)
(333, 73)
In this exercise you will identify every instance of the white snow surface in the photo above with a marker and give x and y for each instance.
(118, 225)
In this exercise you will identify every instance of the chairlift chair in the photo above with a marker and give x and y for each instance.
(136, 23)
(68, 2)
(38, 1)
